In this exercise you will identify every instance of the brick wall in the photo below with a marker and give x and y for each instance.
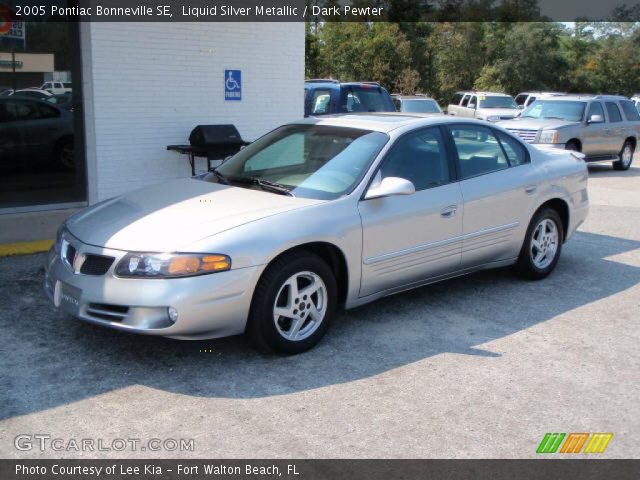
(146, 85)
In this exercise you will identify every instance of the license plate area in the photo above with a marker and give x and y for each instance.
(67, 297)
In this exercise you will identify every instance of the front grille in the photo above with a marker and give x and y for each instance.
(527, 135)
(96, 264)
(111, 313)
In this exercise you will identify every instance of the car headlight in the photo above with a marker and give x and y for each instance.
(59, 235)
(171, 265)
(549, 136)
(493, 118)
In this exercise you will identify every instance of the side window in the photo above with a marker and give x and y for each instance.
(419, 157)
(614, 112)
(531, 100)
(473, 102)
(595, 109)
(478, 150)
(521, 99)
(45, 111)
(397, 103)
(20, 111)
(629, 110)
(465, 100)
(516, 152)
(320, 102)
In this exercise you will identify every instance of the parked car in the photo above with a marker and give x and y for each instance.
(318, 213)
(603, 127)
(28, 92)
(35, 131)
(488, 106)
(524, 99)
(324, 97)
(416, 104)
(56, 88)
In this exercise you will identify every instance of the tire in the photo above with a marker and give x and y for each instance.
(64, 157)
(572, 146)
(536, 261)
(626, 157)
(276, 315)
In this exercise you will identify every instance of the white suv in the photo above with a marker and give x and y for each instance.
(56, 87)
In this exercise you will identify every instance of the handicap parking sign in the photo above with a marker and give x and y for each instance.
(232, 85)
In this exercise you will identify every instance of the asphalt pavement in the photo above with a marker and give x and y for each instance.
(475, 367)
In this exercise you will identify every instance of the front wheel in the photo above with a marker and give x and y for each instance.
(293, 304)
(626, 157)
(542, 245)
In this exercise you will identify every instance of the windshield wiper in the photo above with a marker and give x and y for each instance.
(264, 184)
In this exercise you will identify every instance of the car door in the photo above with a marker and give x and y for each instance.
(617, 133)
(408, 238)
(498, 185)
(472, 107)
(595, 140)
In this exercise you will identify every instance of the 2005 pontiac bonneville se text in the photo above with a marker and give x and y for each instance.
(316, 214)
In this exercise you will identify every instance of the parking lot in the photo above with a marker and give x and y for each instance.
(480, 366)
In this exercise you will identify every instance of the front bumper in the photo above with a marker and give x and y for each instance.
(208, 306)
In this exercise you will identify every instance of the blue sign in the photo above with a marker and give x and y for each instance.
(232, 85)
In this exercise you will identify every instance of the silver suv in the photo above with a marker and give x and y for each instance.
(603, 127)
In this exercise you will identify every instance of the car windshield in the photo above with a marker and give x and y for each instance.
(309, 161)
(497, 101)
(572, 111)
(420, 106)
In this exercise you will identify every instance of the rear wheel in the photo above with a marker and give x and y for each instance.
(542, 245)
(293, 305)
(626, 157)
(65, 156)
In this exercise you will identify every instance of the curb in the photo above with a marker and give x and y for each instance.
(25, 248)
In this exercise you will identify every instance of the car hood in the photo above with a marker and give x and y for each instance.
(536, 124)
(165, 217)
(500, 112)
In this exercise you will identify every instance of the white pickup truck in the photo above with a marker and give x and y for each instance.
(489, 106)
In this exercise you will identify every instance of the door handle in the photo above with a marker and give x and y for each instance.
(449, 211)
(531, 189)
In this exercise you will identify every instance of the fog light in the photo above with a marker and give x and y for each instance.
(173, 314)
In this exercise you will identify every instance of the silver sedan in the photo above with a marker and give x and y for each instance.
(317, 214)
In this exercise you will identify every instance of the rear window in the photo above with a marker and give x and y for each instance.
(630, 110)
(365, 99)
(614, 112)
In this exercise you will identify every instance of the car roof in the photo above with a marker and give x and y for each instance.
(413, 97)
(585, 97)
(495, 94)
(382, 121)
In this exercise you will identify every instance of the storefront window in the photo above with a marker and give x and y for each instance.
(41, 142)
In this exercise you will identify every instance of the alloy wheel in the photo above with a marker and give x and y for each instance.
(544, 243)
(300, 306)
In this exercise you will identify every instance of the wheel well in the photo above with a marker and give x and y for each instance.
(632, 140)
(577, 142)
(562, 208)
(62, 140)
(334, 258)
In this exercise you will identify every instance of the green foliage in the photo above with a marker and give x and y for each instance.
(440, 58)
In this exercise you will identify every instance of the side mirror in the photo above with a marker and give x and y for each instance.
(472, 105)
(390, 186)
(595, 119)
(520, 107)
